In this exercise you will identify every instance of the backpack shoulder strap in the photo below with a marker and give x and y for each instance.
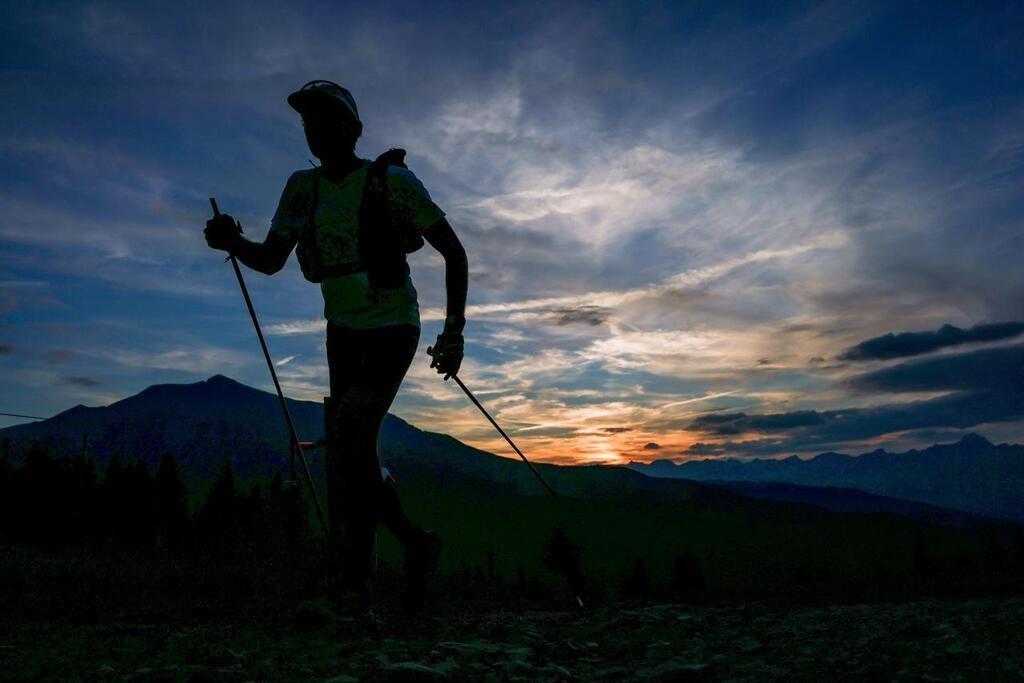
(314, 195)
(309, 229)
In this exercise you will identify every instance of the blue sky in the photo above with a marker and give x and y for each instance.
(691, 227)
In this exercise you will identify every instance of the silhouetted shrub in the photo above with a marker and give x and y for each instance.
(637, 583)
(287, 515)
(686, 579)
(996, 557)
(1018, 548)
(924, 564)
(562, 556)
(813, 577)
(962, 566)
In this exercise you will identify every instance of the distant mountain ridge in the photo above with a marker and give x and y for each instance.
(972, 474)
(854, 500)
(205, 422)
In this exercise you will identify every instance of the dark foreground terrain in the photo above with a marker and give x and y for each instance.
(115, 567)
(976, 639)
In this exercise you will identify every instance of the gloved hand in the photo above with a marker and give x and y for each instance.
(447, 353)
(223, 232)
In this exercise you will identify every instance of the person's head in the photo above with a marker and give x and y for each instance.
(329, 117)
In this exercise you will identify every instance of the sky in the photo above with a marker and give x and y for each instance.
(700, 229)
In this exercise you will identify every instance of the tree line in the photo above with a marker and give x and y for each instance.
(50, 501)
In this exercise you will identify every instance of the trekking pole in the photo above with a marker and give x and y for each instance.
(296, 445)
(500, 430)
(31, 417)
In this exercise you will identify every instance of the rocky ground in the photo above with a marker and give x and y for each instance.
(978, 639)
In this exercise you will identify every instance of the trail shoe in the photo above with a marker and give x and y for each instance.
(421, 557)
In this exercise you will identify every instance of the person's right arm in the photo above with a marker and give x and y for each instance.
(267, 257)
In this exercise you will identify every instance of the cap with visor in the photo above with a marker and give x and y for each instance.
(319, 93)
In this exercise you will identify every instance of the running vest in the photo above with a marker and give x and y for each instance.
(384, 238)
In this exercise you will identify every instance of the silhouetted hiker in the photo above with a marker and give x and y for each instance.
(346, 242)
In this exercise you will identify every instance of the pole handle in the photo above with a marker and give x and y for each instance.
(230, 256)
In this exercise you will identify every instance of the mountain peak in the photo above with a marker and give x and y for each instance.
(216, 388)
(663, 463)
(223, 386)
(832, 457)
(221, 380)
(973, 440)
(74, 411)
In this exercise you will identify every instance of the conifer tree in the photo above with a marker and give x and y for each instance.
(81, 505)
(251, 519)
(216, 517)
(6, 492)
(138, 520)
(112, 477)
(171, 508)
(33, 495)
(275, 512)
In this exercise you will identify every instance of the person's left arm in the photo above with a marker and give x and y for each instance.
(428, 219)
(456, 272)
(448, 350)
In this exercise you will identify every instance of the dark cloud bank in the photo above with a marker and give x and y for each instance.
(588, 315)
(80, 381)
(905, 344)
(984, 386)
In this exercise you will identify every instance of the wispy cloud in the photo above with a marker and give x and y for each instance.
(312, 326)
(205, 360)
